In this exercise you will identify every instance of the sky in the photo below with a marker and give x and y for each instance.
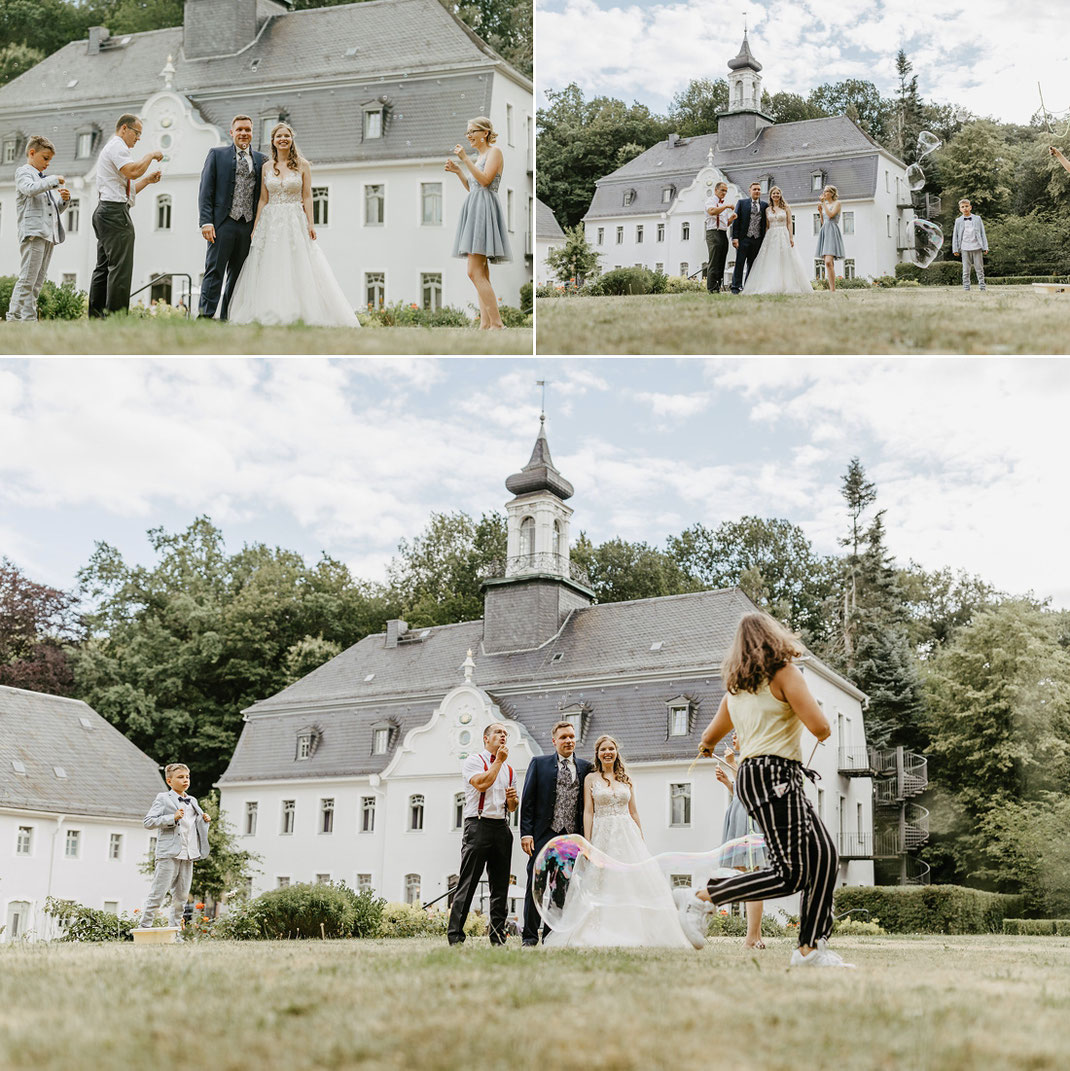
(349, 456)
(984, 55)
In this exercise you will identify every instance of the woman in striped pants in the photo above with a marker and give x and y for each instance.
(768, 703)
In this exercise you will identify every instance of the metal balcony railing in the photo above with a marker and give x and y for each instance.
(857, 761)
(856, 845)
(523, 564)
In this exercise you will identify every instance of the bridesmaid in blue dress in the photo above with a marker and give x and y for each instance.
(481, 230)
(830, 240)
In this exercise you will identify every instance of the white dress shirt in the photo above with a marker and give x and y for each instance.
(187, 832)
(112, 185)
(720, 221)
(494, 797)
(970, 236)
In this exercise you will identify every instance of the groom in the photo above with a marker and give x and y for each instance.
(552, 805)
(748, 230)
(230, 189)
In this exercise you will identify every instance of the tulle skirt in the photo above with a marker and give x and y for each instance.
(286, 277)
(481, 228)
(778, 268)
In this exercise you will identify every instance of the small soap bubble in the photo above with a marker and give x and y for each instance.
(927, 142)
(928, 240)
(915, 177)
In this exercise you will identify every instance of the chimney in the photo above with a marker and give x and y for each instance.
(673, 140)
(394, 631)
(97, 36)
(218, 27)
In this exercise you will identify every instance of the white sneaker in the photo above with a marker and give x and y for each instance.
(693, 912)
(821, 956)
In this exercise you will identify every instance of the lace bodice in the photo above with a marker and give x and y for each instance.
(776, 217)
(481, 163)
(284, 188)
(609, 799)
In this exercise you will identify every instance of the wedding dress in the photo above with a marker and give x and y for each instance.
(286, 276)
(778, 268)
(605, 906)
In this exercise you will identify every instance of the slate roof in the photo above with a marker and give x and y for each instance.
(304, 54)
(600, 657)
(788, 151)
(106, 774)
(546, 225)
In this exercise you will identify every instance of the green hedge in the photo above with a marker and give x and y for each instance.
(949, 273)
(1037, 927)
(54, 303)
(929, 908)
(321, 910)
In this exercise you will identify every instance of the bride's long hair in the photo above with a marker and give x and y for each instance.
(618, 770)
(783, 204)
(294, 159)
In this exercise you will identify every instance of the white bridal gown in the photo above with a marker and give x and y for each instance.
(606, 906)
(778, 268)
(286, 277)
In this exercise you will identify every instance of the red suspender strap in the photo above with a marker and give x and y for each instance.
(483, 795)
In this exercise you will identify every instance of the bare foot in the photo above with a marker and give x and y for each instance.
(756, 943)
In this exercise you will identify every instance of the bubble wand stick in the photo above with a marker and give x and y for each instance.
(1047, 116)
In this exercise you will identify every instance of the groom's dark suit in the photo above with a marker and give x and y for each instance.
(748, 247)
(227, 253)
(537, 807)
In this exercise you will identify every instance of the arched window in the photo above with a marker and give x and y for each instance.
(412, 888)
(416, 813)
(557, 537)
(163, 212)
(527, 537)
(739, 91)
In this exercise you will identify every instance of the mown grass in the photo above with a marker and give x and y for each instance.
(175, 336)
(1003, 320)
(923, 1004)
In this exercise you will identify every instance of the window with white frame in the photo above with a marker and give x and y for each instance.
(601, 235)
(304, 745)
(115, 846)
(289, 809)
(843, 814)
(887, 182)
(73, 217)
(374, 204)
(660, 266)
(373, 123)
(24, 841)
(509, 124)
(266, 126)
(323, 879)
(327, 815)
(18, 920)
(575, 716)
(817, 180)
(817, 222)
(680, 881)
(767, 182)
(679, 719)
(629, 196)
(620, 235)
(514, 818)
(412, 888)
(321, 206)
(70, 278)
(74, 843)
(112, 907)
(667, 194)
(848, 223)
(364, 883)
(375, 296)
(458, 811)
(367, 814)
(639, 233)
(250, 818)
(683, 268)
(849, 268)
(10, 150)
(431, 289)
(680, 804)
(416, 813)
(163, 212)
(431, 204)
(858, 817)
(282, 881)
(509, 199)
(819, 269)
(84, 146)
(661, 232)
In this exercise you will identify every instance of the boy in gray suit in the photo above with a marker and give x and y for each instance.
(40, 227)
(182, 838)
(969, 242)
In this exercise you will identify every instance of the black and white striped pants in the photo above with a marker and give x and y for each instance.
(802, 855)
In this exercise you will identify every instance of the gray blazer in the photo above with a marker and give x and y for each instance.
(161, 817)
(31, 204)
(960, 226)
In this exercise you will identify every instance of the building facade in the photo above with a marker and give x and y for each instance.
(548, 237)
(353, 772)
(378, 94)
(73, 793)
(650, 212)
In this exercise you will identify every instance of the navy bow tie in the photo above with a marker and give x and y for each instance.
(184, 799)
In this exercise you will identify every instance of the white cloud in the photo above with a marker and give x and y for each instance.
(680, 406)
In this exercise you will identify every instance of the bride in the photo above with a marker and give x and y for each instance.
(607, 907)
(777, 268)
(286, 277)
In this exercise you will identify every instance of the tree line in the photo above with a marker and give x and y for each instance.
(1003, 168)
(30, 30)
(975, 678)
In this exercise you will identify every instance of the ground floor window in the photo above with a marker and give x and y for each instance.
(412, 888)
(375, 288)
(819, 269)
(431, 289)
(849, 268)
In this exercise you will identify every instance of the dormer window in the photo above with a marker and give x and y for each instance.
(308, 739)
(383, 735)
(579, 717)
(629, 197)
(817, 181)
(373, 121)
(84, 144)
(667, 194)
(680, 716)
(10, 149)
(767, 182)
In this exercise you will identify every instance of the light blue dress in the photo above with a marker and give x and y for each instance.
(830, 239)
(737, 823)
(481, 228)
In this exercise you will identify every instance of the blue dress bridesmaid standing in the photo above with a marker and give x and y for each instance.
(481, 230)
(830, 240)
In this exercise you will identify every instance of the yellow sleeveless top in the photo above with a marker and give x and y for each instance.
(765, 725)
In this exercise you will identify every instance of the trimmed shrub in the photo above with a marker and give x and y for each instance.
(858, 928)
(622, 281)
(678, 284)
(1037, 927)
(724, 924)
(513, 317)
(240, 922)
(400, 314)
(301, 910)
(412, 920)
(368, 912)
(884, 281)
(930, 908)
(526, 302)
(857, 283)
(81, 923)
(659, 281)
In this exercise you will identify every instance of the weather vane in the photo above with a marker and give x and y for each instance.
(542, 383)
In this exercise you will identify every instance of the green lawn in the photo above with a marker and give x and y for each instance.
(913, 1004)
(181, 337)
(1003, 320)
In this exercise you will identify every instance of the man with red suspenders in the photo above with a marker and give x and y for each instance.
(487, 842)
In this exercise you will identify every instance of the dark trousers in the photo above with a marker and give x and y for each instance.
(532, 918)
(745, 254)
(224, 256)
(717, 254)
(109, 288)
(485, 843)
(802, 854)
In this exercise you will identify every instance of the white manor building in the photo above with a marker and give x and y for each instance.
(548, 237)
(378, 94)
(651, 211)
(73, 794)
(353, 772)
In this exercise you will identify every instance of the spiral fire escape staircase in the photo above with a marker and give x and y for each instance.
(901, 826)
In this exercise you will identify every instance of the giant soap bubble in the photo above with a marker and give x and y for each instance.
(927, 142)
(927, 240)
(571, 875)
(915, 177)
